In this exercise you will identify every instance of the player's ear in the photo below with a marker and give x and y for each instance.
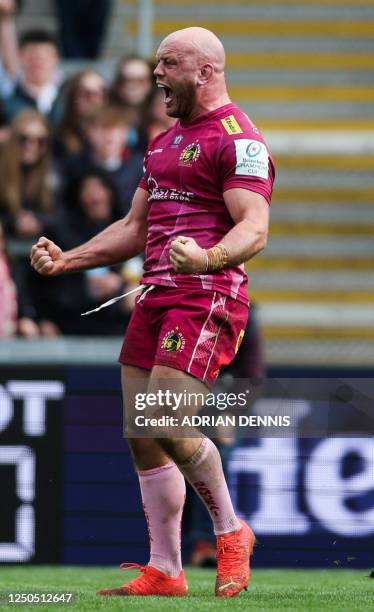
(205, 74)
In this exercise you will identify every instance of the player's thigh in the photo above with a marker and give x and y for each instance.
(146, 452)
(200, 333)
(140, 342)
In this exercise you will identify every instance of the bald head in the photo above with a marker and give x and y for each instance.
(199, 42)
(190, 68)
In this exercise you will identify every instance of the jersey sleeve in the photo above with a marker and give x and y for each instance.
(245, 162)
(143, 180)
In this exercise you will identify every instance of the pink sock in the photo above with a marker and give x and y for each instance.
(204, 472)
(163, 492)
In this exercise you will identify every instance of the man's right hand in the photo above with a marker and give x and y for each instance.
(47, 258)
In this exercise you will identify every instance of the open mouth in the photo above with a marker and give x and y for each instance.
(167, 91)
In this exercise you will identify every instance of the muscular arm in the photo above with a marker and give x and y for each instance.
(250, 213)
(120, 241)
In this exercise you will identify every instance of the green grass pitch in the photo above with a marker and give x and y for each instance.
(334, 590)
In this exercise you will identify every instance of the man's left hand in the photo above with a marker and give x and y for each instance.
(186, 256)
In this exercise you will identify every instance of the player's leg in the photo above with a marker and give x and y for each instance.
(199, 461)
(162, 489)
(200, 334)
(146, 453)
(197, 457)
(162, 485)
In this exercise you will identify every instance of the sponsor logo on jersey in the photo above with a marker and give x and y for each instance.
(252, 158)
(254, 149)
(152, 152)
(177, 140)
(173, 341)
(231, 125)
(190, 154)
(161, 193)
(239, 340)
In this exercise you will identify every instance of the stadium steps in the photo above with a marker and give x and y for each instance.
(304, 63)
(296, 64)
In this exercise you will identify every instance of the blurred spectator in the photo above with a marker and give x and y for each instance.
(8, 46)
(32, 67)
(82, 26)
(107, 132)
(7, 33)
(27, 189)
(156, 120)
(249, 362)
(61, 300)
(4, 129)
(85, 93)
(132, 90)
(8, 296)
(12, 302)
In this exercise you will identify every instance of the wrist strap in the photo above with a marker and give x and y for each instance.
(217, 257)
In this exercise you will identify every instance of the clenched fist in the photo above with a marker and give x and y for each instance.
(186, 256)
(47, 258)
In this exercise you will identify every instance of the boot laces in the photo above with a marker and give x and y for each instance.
(132, 566)
(145, 580)
(228, 554)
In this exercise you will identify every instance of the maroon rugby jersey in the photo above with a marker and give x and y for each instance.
(186, 171)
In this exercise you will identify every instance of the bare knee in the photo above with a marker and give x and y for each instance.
(180, 449)
(147, 453)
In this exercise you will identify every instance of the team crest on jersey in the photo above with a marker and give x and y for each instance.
(190, 154)
(231, 125)
(173, 341)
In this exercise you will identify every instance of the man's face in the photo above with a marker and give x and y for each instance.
(135, 82)
(107, 141)
(38, 62)
(95, 199)
(176, 72)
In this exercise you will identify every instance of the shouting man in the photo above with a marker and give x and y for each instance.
(201, 210)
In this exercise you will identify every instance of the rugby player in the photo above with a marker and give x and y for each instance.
(201, 210)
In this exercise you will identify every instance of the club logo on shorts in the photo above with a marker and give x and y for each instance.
(173, 341)
(190, 154)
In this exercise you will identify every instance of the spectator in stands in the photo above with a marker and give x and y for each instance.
(132, 90)
(4, 128)
(8, 296)
(107, 132)
(63, 299)
(16, 316)
(8, 46)
(85, 93)
(32, 67)
(28, 185)
(82, 26)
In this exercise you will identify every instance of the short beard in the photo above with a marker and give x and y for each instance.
(185, 96)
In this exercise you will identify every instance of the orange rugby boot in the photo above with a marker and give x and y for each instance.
(150, 582)
(233, 552)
